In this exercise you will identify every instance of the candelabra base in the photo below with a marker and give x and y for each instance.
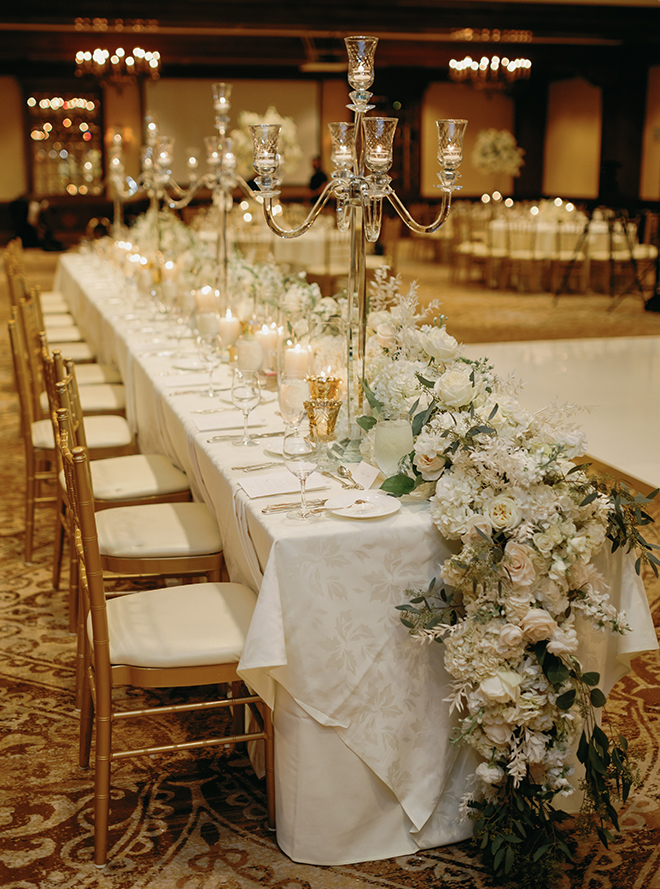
(347, 450)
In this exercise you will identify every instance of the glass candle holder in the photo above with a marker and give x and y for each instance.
(221, 97)
(361, 51)
(324, 388)
(450, 142)
(265, 138)
(378, 138)
(343, 144)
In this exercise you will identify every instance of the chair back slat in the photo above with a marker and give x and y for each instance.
(21, 375)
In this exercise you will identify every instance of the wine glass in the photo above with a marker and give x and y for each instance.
(210, 353)
(245, 395)
(293, 394)
(299, 452)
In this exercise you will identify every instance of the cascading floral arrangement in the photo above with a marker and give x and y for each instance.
(496, 151)
(528, 521)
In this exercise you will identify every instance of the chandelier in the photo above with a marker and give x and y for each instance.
(493, 73)
(120, 66)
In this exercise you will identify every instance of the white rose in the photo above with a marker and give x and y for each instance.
(378, 318)
(386, 334)
(518, 564)
(455, 388)
(504, 512)
(491, 774)
(474, 525)
(510, 637)
(437, 343)
(431, 466)
(498, 732)
(501, 687)
(537, 624)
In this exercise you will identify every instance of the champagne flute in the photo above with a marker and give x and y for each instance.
(299, 452)
(293, 394)
(245, 395)
(210, 353)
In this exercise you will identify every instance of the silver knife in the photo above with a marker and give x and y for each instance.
(256, 466)
(284, 507)
(256, 436)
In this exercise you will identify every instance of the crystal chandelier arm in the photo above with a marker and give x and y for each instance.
(440, 219)
(186, 195)
(245, 188)
(304, 226)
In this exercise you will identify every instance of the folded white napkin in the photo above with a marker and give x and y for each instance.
(280, 481)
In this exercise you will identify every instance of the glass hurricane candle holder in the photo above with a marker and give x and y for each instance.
(322, 414)
(361, 52)
(450, 150)
(379, 138)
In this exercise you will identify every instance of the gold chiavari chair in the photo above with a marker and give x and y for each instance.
(176, 637)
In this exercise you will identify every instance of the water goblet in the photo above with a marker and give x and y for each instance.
(245, 395)
(293, 394)
(210, 353)
(300, 454)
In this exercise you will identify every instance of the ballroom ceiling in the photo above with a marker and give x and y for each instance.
(302, 39)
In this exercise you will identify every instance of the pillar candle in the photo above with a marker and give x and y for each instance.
(229, 328)
(296, 361)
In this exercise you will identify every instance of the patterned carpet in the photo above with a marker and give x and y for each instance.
(191, 821)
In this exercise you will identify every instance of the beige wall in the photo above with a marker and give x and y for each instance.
(482, 110)
(649, 186)
(13, 176)
(184, 109)
(122, 112)
(571, 163)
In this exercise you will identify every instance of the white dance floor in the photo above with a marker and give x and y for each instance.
(616, 382)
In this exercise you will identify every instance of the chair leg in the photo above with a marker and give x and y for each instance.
(30, 494)
(86, 724)
(81, 658)
(58, 547)
(102, 789)
(270, 767)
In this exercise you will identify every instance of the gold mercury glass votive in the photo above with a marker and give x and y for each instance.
(322, 414)
(325, 388)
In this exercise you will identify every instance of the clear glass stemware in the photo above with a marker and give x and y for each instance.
(299, 452)
(210, 353)
(245, 395)
(293, 394)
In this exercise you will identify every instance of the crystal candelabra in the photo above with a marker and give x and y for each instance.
(361, 157)
(221, 179)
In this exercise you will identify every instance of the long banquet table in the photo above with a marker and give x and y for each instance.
(364, 764)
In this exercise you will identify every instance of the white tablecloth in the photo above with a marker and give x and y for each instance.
(364, 764)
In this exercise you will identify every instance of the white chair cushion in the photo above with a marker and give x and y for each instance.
(52, 304)
(101, 398)
(76, 351)
(58, 319)
(109, 431)
(158, 530)
(94, 374)
(182, 626)
(42, 434)
(136, 475)
(67, 334)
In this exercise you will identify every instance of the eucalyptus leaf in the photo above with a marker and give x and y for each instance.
(398, 485)
(366, 423)
(597, 697)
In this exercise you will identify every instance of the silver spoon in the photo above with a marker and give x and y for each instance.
(343, 472)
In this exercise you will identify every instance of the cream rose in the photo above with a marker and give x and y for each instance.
(437, 343)
(537, 624)
(431, 466)
(511, 636)
(386, 334)
(501, 687)
(455, 388)
(498, 732)
(378, 318)
(504, 512)
(474, 525)
(491, 774)
(518, 564)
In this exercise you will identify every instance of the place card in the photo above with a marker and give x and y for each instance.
(364, 473)
(281, 481)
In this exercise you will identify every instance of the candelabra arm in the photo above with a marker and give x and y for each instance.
(441, 218)
(186, 195)
(245, 188)
(304, 226)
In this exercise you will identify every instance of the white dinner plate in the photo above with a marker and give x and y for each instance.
(377, 505)
(189, 364)
(274, 449)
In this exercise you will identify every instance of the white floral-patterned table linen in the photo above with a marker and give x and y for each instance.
(364, 764)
